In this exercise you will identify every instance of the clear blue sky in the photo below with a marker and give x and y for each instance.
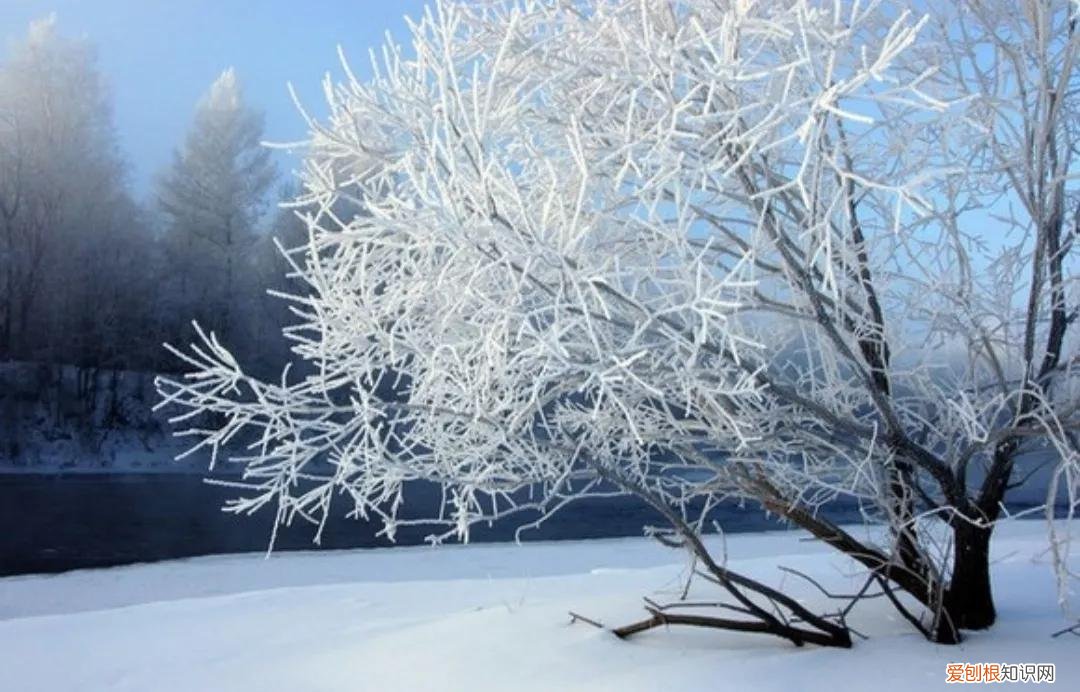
(159, 56)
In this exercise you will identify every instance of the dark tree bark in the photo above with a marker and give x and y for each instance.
(969, 600)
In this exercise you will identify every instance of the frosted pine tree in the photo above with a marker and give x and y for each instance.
(213, 195)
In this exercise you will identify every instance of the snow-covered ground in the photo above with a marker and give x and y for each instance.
(47, 426)
(481, 617)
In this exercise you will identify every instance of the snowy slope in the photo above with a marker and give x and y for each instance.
(59, 419)
(486, 617)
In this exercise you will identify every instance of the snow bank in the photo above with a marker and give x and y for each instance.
(484, 617)
(59, 419)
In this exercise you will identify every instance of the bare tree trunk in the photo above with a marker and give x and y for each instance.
(7, 308)
(969, 600)
(5, 326)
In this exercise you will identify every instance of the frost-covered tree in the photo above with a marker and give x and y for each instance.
(67, 226)
(272, 276)
(213, 195)
(797, 253)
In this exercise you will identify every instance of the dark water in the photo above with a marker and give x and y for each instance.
(57, 523)
(54, 523)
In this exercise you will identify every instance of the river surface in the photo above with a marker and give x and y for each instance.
(53, 523)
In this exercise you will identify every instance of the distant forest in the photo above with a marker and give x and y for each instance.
(93, 281)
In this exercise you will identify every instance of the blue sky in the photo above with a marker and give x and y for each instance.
(159, 56)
